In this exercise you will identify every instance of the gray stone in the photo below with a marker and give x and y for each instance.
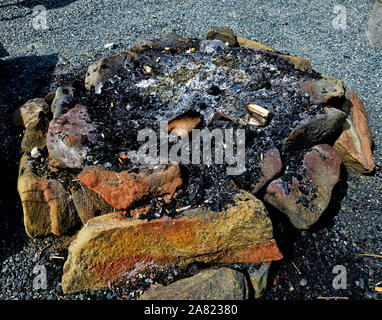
(101, 71)
(211, 284)
(259, 278)
(313, 130)
(63, 96)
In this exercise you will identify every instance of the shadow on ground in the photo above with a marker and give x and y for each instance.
(21, 79)
(29, 4)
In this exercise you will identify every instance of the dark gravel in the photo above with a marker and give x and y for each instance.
(77, 31)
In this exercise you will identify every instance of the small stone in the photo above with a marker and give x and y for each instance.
(303, 282)
(223, 34)
(35, 153)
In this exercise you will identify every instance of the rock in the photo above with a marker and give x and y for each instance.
(211, 284)
(304, 201)
(29, 112)
(354, 144)
(223, 34)
(101, 71)
(122, 189)
(299, 63)
(259, 278)
(111, 248)
(271, 166)
(89, 204)
(374, 32)
(69, 136)
(315, 129)
(45, 203)
(62, 98)
(246, 43)
(50, 97)
(35, 134)
(324, 90)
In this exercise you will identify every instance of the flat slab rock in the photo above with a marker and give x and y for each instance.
(211, 284)
(110, 248)
(69, 136)
(306, 196)
(122, 189)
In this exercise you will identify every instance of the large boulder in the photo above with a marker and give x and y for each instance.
(110, 248)
(122, 189)
(69, 137)
(210, 284)
(354, 144)
(45, 203)
(307, 195)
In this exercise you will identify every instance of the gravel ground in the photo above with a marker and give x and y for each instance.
(76, 35)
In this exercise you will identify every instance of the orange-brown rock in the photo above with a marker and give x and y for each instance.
(110, 249)
(354, 144)
(45, 203)
(122, 189)
(246, 43)
(299, 63)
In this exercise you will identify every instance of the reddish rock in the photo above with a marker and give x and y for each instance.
(122, 189)
(271, 166)
(69, 136)
(354, 144)
(304, 201)
(111, 249)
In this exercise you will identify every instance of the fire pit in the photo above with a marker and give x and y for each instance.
(164, 156)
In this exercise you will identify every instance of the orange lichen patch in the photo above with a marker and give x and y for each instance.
(184, 124)
(256, 253)
(122, 189)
